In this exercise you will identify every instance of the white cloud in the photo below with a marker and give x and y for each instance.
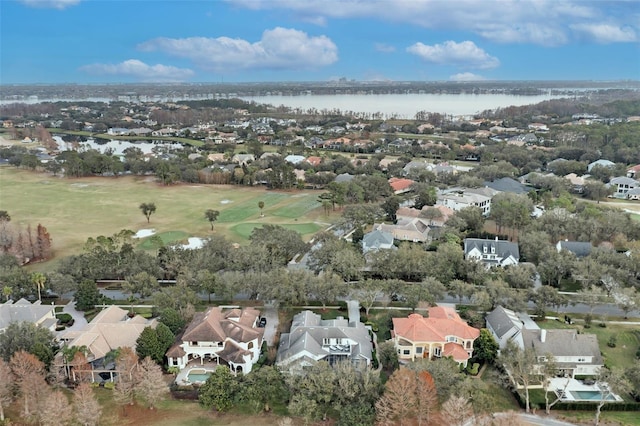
(50, 4)
(464, 54)
(141, 71)
(466, 76)
(279, 48)
(606, 33)
(384, 48)
(543, 22)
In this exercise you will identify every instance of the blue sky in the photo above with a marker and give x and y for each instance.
(110, 41)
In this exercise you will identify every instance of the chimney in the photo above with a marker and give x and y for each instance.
(543, 335)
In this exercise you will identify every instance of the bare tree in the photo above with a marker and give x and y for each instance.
(56, 410)
(6, 387)
(151, 386)
(549, 371)
(28, 372)
(397, 404)
(426, 398)
(609, 382)
(86, 406)
(519, 364)
(457, 410)
(126, 363)
(82, 371)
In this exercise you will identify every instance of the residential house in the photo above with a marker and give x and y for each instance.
(404, 214)
(413, 229)
(442, 334)
(491, 252)
(243, 159)
(377, 240)
(622, 185)
(505, 325)
(577, 182)
(507, 184)
(634, 194)
(601, 163)
(314, 160)
(538, 127)
(294, 159)
(400, 185)
(231, 337)
(111, 329)
(634, 172)
(344, 177)
(312, 339)
(574, 354)
(22, 310)
(462, 198)
(578, 248)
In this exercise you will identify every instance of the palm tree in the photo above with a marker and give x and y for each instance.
(212, 216)
(6, 292)
(38, 278)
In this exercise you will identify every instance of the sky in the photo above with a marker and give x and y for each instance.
(120, 41)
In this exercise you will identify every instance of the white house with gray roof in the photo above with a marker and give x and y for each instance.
(601, 163)
(492, 252)
(377, 240)
(622, 185)
(312, 339)
(22, 310)
(574, 354)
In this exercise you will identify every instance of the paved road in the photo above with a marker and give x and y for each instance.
(608, 309)
(529, 419)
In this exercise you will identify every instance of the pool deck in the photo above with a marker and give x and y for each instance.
(182, 376)
(558, 384)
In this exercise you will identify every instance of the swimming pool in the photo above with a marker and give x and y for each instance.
(198, 375)
(590, 395)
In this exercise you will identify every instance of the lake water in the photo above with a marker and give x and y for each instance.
(403, 106)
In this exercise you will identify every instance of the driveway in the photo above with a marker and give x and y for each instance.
(270, 312)
(79, 321)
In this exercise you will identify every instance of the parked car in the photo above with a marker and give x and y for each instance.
(262, 322)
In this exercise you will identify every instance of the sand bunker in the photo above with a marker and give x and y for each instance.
(143, 233)
(194, 243)
(225, 201)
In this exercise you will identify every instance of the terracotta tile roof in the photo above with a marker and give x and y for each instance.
(455, 351)
(400, 184)
(441, 322)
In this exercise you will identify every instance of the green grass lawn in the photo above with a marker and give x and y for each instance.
(627, 336)
(74, 209)
(609, 418)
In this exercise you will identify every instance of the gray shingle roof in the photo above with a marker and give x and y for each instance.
(563, 343)
(580, 249)
(508, 185)
(502, 320)
(502, 248)
(308, 332)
